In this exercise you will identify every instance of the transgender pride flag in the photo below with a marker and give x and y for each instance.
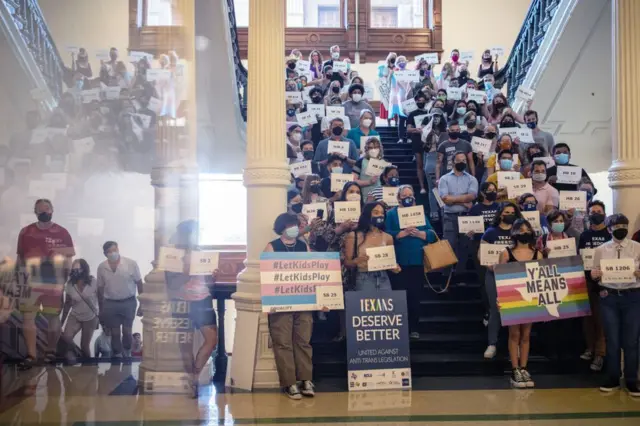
(542, 290)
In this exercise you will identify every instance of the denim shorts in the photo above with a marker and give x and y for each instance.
(377, 280)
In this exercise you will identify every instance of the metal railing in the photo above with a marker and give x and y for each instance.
(241, 71)
(532, 33)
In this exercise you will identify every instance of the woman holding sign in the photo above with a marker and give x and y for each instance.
(371, 270)
(558, 221)
(522, 249)
(368, 169)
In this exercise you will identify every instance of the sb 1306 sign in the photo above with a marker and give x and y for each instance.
(542, 290)
(377, 340)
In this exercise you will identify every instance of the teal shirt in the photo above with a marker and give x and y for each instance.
(408, 249)
(355, 134)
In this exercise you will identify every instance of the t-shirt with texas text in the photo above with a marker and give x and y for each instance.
(36, 242)
(497, 235)
(448, 150)
(592, 238)
(488, 213)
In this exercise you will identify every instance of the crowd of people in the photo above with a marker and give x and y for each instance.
(475, 156)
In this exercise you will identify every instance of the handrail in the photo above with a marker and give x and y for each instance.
(526, 46)
(241, 71)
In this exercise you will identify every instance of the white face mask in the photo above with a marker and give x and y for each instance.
(335, 55)
(374, 152)
(353, 197)
(357, 97)
(367, 122)
(297, 137)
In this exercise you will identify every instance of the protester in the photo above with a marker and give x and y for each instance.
(294, 136)
(334, 165)
(362, 174)
(562, 156)
(390, 177)
(529, 203)
(449, 149)
(540, 137)
(294, 201)
(504, 143)
(337, 128)
(548, 197)
(367, 128)
(136, 349)
(487, 66)
(505, 160)
(557, 221)
(354, 107)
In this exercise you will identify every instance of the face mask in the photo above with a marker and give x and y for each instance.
(408, 202)
(508, 123)
(525, 238)
(471, 123)
(529, 207)
(455, 58)
(460, 166)
(442, 97)
(335, 55)
(336, 170)
(291, 112)
(314, 188)
(308, 155)
(75, 275)
(486, 58)
(353, 197)
(297, 137)
(356, 97)
(296, 207)
(367, 122)
(596, 218)
(374, 152)
(532, 124)
(113, 256)
(316, 99)
(394, 181)
(539, 177)
(499, 106)
(562, 158)
(402, 65)
(378, 222)
(506, 164)
(490, 135)
(335, 89)
(420, 105)
(300, 86)
(461, 110)
(509, 219)
(454, 135)
(491, 196)
(557, 227)
(44, 217)
(292, 232)
(337, 131)
(292, 65)
(620, 234)
(488, 85)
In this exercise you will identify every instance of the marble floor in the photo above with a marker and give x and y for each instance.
(106, 395)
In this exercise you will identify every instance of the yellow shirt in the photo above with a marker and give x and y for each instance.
(491, 162)
(494, 179)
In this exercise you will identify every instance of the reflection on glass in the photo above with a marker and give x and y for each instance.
(397, 13)
(223, 210)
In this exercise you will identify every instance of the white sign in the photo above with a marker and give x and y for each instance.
(339, 180)
(430, 58)
(573, 200)
(516, 188)
(293, 97)
(504, 177)
(170, 259)
(335, 112)
(204, 262)
(587, 258)
(514, 132)
(418, 119)
(329, 296)
(534, 219)
(390, 195)
(455, 93)
(569, 174)
(549, 161)
(311, 210)
(138, 56)
(407, 76)
(340, 66)
(158, 74)
(90, 95)
(375, 167)
(368, 92)
(346, 210)
(302, 168)
(112, 92)
(317, 109)
(381, 258)
(473, 224)
(467, 56)
(306, 119)
(102, 54)
(302, 65)
(617, 271)
(490, 254)
(525, 93)
(411, 217)
(73, 49)
(525, 135)
(409, 106)
(144, 118)
(497, 50)
(476, 95)
(481, 145)
(562, 248)
(338, 147)
(436, 194)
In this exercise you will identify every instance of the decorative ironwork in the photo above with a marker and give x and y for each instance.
(531, 36)
(241, 71)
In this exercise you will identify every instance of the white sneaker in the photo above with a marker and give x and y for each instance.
(423, 191)
(587, 355)
(307, 388)
(490, 353)
(527, 378)
(293, 392)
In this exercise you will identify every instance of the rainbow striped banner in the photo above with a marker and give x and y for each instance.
(289, 281)
(542, 290)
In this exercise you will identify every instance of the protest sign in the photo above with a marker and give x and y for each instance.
(346, 210)
(289, 281)
(411, 217)
(542, 290)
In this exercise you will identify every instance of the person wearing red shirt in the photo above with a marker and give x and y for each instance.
(45, 250)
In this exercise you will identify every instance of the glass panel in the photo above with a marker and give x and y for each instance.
(162, 13)
(300, 13)
(397, 13)
(242, 12)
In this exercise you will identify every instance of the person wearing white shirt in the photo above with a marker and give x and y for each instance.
(620, 303)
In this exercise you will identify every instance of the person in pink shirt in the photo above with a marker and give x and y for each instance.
(548, 197)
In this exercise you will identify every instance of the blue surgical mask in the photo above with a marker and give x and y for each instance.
(488, 85)
(562, 158)
(529, 207)
(394, 181)
(532, 125)
(461, 110)
(292, 232)
(408, 202)
(113, 256)
(506, 164)
(589, 195)
(557, 227)
(336, 170)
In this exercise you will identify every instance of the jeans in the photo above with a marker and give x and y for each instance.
(411, 280)
(494, 315)
(377, 280)
(460, 243)
(621, 323)
(402, 127)
(430, 160)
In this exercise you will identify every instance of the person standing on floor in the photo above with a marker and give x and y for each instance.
(118, 279)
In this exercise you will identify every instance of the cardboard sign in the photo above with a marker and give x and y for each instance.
(562, 248)
(311, 210)
(436, 194)
(390, 195)
(293, 97)
(112, 93)
(204, 262)
(375, 167)
(289, 281)
(381, 258)
(481, 145)
(549, 161)
(330, 297)
(302, 65)
(516, 188)
(339, 180)
(455, 93)
(158, 74)
(534, 219)
(573, 200)
(84, 146)
(497, 50)
(409, 106)
(346, 211)
(306, 119)
(411, 217)
(369, 92)
(504, 177)
(91, 95)
(302, 168)
(335, 112)
(407, 76)
(102, 54)
(430, 58)
(171, 259)
(338, 147)
(525, 135)
(340, 66)
(317, 109)
(73, 49)
(569, 174)
(467, 56)
(490, 254)
(418, 119)
(468, 224)
(587, 255)
(525, 93)
(618, 271)
(476, 95)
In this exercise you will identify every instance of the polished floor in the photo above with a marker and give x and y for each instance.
(106, 395)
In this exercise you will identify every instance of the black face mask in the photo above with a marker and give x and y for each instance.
(499, 107)
(525, 238)
(76, 275)
(44, 217)
(508, 124)
(335, 89)
(620, 234)
(491, 196)
(490, 135)
(314, 188)
(291, 112)
(316, 99)
(421, 105)
(292, 66)
(471, 123)
(308, 155)
(297, 208)
(378, 222)
(454, 135)
(509, 219)
(460, 166)
(422, 72)
(337, 131)
(596, 218)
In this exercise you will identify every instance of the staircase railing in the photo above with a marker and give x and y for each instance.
(241, 71)
(532, 33)
(29, 20)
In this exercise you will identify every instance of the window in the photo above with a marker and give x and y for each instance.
(300, 13)
(328, 17)
(159, 13)
(397, 13)
(242, 12)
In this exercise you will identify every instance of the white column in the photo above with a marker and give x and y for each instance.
(266, 177)
(624, 174)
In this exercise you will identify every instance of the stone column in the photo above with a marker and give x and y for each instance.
(266, 177)
(624, 174)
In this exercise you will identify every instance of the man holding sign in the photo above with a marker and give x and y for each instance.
(569, 180)
(616, 270)
(322, 150)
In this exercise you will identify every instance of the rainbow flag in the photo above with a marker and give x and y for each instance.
(542, 290)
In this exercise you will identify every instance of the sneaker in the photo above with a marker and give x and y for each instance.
(587, 355)
(485, 319)
(490, 353)
(414, 336)
(307, 388)
(527, 378)
(597, 363)
(293, 392)
(632, 389)
(400, 141)
(610, 385)
(423, 191)
(517, 380)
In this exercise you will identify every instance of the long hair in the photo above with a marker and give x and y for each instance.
(345, 188)
(86, 270)
(515, 230)
(498, 218)
(364, 223)
(370, 142)
(319, 57)
(186, 235)
(483, 189)
(306, 188)
(494, 110)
